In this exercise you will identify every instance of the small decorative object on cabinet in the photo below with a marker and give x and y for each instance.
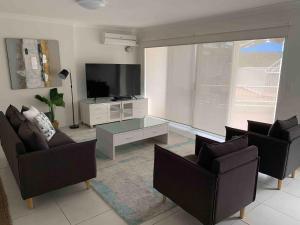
(55, 99)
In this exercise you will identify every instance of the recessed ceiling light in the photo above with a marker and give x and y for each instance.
(92, 4)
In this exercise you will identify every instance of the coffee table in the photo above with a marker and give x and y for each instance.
(119, 133)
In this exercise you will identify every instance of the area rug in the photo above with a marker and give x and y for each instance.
(126, 183)
(4, 212)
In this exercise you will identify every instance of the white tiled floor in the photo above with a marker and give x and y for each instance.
(76, 205)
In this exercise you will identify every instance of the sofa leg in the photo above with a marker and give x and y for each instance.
(294, 174)
(87, 184)
(29, 202)
(242, 213)
(164, 199)
(279, 185)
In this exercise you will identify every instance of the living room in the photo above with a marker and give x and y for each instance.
(149, 112)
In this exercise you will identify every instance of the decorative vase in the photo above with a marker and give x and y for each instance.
(55, 124)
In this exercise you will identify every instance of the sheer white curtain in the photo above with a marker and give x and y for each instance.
(211, 85)
(213, 78)
(169, 82)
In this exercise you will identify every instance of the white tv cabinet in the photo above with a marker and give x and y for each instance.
(106, 111)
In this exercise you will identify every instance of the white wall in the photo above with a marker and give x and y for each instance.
(10, 28)
(88, 49)
(78, 45)
(156, 70)
(265, 22)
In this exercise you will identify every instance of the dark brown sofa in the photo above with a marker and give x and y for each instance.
(38, 172)
(279, 157)
(208, 195)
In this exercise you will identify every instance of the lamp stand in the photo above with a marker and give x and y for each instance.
(73, 126)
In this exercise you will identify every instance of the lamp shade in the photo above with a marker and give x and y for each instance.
(63, 74)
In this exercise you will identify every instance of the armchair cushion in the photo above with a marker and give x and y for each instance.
(209, 152)
(232, 133)
(259, 127)
(200, 141)
(291, 134)
(280, 126)
(234, 160)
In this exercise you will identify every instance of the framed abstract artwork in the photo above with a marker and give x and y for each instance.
(33, 63)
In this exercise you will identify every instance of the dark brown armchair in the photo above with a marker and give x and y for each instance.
(279, 157)
(209, 195)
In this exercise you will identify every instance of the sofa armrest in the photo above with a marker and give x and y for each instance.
(184, 182)
(232, 132)
(47, 170)
(234, 160)
(237, 181)
(273, 154)
(200, 141)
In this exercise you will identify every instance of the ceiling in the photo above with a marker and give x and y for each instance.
(130, 13)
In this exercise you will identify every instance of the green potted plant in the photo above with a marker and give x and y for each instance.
(55, 99)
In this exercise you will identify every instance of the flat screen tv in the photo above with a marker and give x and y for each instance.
(113, 80)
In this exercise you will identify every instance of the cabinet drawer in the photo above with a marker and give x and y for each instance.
(128, 137)
(99, 108)
(155, 131)
(98, 119)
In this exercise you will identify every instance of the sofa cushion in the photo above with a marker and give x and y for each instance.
(16, 120)
(32, 137)
(44, 125)
(210, 152)
(11, 110)
(14, 117)
(24, 109)
(280, 126)
(59, 139)
(31, 113)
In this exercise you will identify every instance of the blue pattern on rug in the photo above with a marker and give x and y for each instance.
(126, 184)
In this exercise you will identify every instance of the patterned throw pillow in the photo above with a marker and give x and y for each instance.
(31, 113)
(44, 125)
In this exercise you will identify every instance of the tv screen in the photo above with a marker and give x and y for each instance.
(110, 80)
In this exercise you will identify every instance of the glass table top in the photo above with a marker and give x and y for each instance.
(132, 124)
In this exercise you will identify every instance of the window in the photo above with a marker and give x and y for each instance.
(211, 85)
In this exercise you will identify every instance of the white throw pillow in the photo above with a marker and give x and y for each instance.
(31, 113)
(44, 125)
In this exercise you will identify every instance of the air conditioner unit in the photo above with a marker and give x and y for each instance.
(120, 39)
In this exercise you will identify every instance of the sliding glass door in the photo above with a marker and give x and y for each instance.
(211, 85)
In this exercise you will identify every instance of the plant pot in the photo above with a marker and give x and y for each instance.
(55, 124)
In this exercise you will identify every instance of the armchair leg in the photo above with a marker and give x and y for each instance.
(242, 213)
(87, 184)
(29, 202)
(294, 174)
(279, 185)
(164, 199)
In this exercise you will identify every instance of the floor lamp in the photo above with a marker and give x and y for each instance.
(63, 75)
